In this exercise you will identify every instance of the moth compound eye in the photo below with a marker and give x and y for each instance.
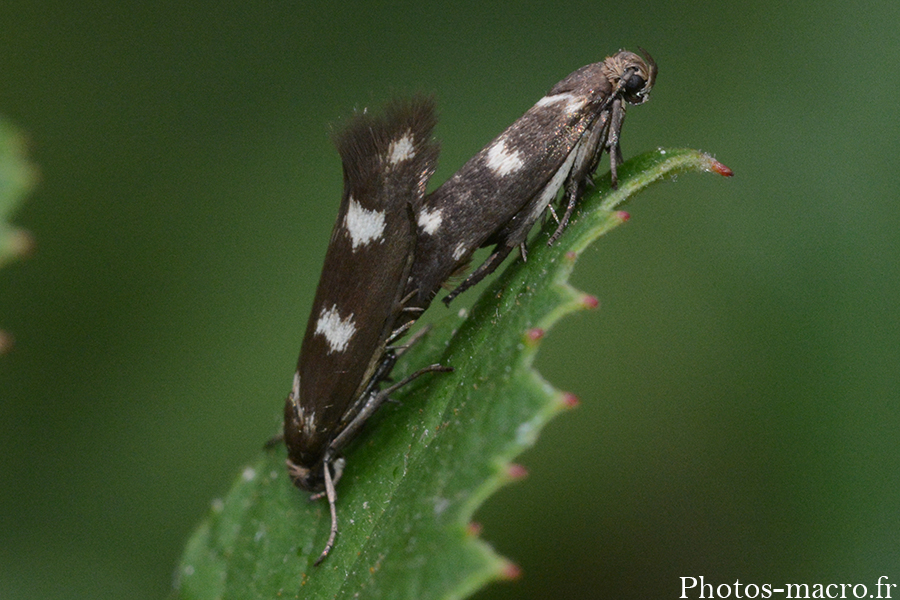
(635, 84)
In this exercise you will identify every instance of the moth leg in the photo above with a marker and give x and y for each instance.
(274, 441)
(587, 155)
(399, 350)
(486, 268)
(572, 195)
(373, 404)
(347, 434)
(617, 118)
(399, 331)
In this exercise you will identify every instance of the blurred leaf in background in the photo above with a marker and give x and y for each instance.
(17, 176)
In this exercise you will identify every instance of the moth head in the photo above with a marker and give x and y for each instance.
(305, 478)
(633, 75)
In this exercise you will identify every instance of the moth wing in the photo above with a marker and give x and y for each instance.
(499, 190)
(387, 163)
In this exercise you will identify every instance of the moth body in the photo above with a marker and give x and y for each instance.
(345, 355)
(496, 197)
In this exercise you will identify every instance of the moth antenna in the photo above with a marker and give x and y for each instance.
(332, 498)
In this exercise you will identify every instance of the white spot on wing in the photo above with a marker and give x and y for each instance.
(363, 225)
(337, 331)
(573, 102)
(308, 422)
(295, 389)
(548, 100)
(402, 149)
(429, 221)
(502, 161)
(459, 251)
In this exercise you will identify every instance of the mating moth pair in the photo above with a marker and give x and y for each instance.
(393, 246)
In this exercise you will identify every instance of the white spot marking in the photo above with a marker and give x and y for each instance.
(548, 100)
(363, 225)
(249, 474)
(308, 421)
(218, 505)
(503, 162)
(337, 331)
(459, 251)
(429, 221)
(573, 102)
(295, 389)
(402, 149)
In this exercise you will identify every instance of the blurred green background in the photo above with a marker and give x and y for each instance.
(740, 384)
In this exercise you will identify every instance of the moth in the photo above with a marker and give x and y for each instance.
(496, 197)
(346, 352)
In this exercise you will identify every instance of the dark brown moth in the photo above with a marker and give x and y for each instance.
(496, 197)
(345, 354)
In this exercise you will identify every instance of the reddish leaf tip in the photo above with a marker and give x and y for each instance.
(473, 529)
(622, 215)
(719, 168)
(534, 335)
(570, 400)
(516, 471)
(590, 302)
(510, 571)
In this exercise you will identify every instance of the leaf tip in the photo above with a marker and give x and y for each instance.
(515, 471)
(473, 529)
(568, 400)
(510, 571)
(717, 167)
(590, 302)
(534, 335)
(622, 216)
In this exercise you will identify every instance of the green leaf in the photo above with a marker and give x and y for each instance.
(421, 467)
(17, 176)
